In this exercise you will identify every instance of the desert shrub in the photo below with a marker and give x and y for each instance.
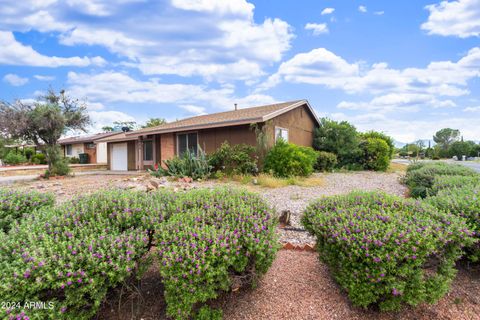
(287, 159)
(237, 159)
(380, 135)
(69, 257)
(187, 165)
(463, 202)
(376, 154)
(38, 158)
(59, 168)
(222, 238)
(326, 161)
(449, 182)
(14, 204)
(207, 313)
(13, 158)
(420, 179)
(387, 250)
(73, 160)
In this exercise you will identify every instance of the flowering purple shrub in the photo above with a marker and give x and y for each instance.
(72, 255)
(448, 182)
(463, 202)
(219, 239)
(15, 204)
(386, 250)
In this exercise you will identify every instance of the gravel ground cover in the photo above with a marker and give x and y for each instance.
(297, 287)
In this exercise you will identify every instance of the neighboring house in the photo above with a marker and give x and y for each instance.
(294, 121)
(97, 152)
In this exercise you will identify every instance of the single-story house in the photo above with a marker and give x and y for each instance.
(293, 121)
(97, 151)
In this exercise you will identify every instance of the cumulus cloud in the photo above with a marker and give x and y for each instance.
(221, 40)
(44, 78)
(106, 118)
(472, 109)
(327, 11)
(317, 28)
(195, 110)
(15, 53)
(459, 18)
(362, 9)
(15, 80)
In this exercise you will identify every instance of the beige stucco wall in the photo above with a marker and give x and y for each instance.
(102, 152)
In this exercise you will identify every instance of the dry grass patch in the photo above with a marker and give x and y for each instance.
(269, 181)
(397, 167)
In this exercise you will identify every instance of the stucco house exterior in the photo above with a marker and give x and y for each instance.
(294, 121)
(97, 152)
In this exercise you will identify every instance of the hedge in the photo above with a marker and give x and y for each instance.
(287, 160)
(463, 202)
(420, 178)
(385, 250)
(15, 204)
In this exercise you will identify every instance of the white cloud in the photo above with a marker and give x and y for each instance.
(317, 28)
(15, 53)
(379, 13)
(106, 118)
(44, 78)
(116, 87)
(221, 41)
(196, 110)
(15, 80)
(362, 9)
(459, 18)
(472, 109)
(327, 11)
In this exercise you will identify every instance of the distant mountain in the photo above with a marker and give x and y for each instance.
(399, 144)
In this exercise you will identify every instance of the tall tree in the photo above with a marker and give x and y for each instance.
(154, 122)
(445, 137)
(44, 121)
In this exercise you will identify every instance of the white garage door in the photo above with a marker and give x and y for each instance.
(119, 157)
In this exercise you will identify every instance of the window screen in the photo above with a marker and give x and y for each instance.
(187, 140)
(69, 149)
(147, 150)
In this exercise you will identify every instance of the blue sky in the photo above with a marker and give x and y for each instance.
(407, 68)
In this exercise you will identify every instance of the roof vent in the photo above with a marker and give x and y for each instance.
(125, 129)
(236, 107)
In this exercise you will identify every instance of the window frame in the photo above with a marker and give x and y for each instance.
(145, 150)
(67, 146)
(281, 135)
(185, 134)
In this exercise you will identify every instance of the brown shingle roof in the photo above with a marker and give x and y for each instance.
(86, 138)
(118, 136)
(220, 119)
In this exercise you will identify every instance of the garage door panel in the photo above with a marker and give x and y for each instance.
(119, 157)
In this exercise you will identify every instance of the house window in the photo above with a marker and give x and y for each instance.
(281, 133)
(187, 141)
(68, 149)
(90, 145)
(148, 150)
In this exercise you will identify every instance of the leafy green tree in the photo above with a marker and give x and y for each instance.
(445, 137)
(462, 148)
(340, 138)
(44, 121)
(154, 122)
(380, 135)
(108, 129)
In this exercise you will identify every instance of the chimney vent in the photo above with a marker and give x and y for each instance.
(236, 107)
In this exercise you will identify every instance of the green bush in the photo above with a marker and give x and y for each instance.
(380, 135)
(187, 165)
(73, 160)
(287, 160)
(59, 168)
(326, 161)
(221, 237)
(463, 202)
(38, 158)
(449, 182)
(69, 257)
(420, 178)
(13, 158)
(387, 250)
(15, 204)
(238, 159)
(376, 154)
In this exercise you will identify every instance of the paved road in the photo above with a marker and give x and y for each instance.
(12, 179)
